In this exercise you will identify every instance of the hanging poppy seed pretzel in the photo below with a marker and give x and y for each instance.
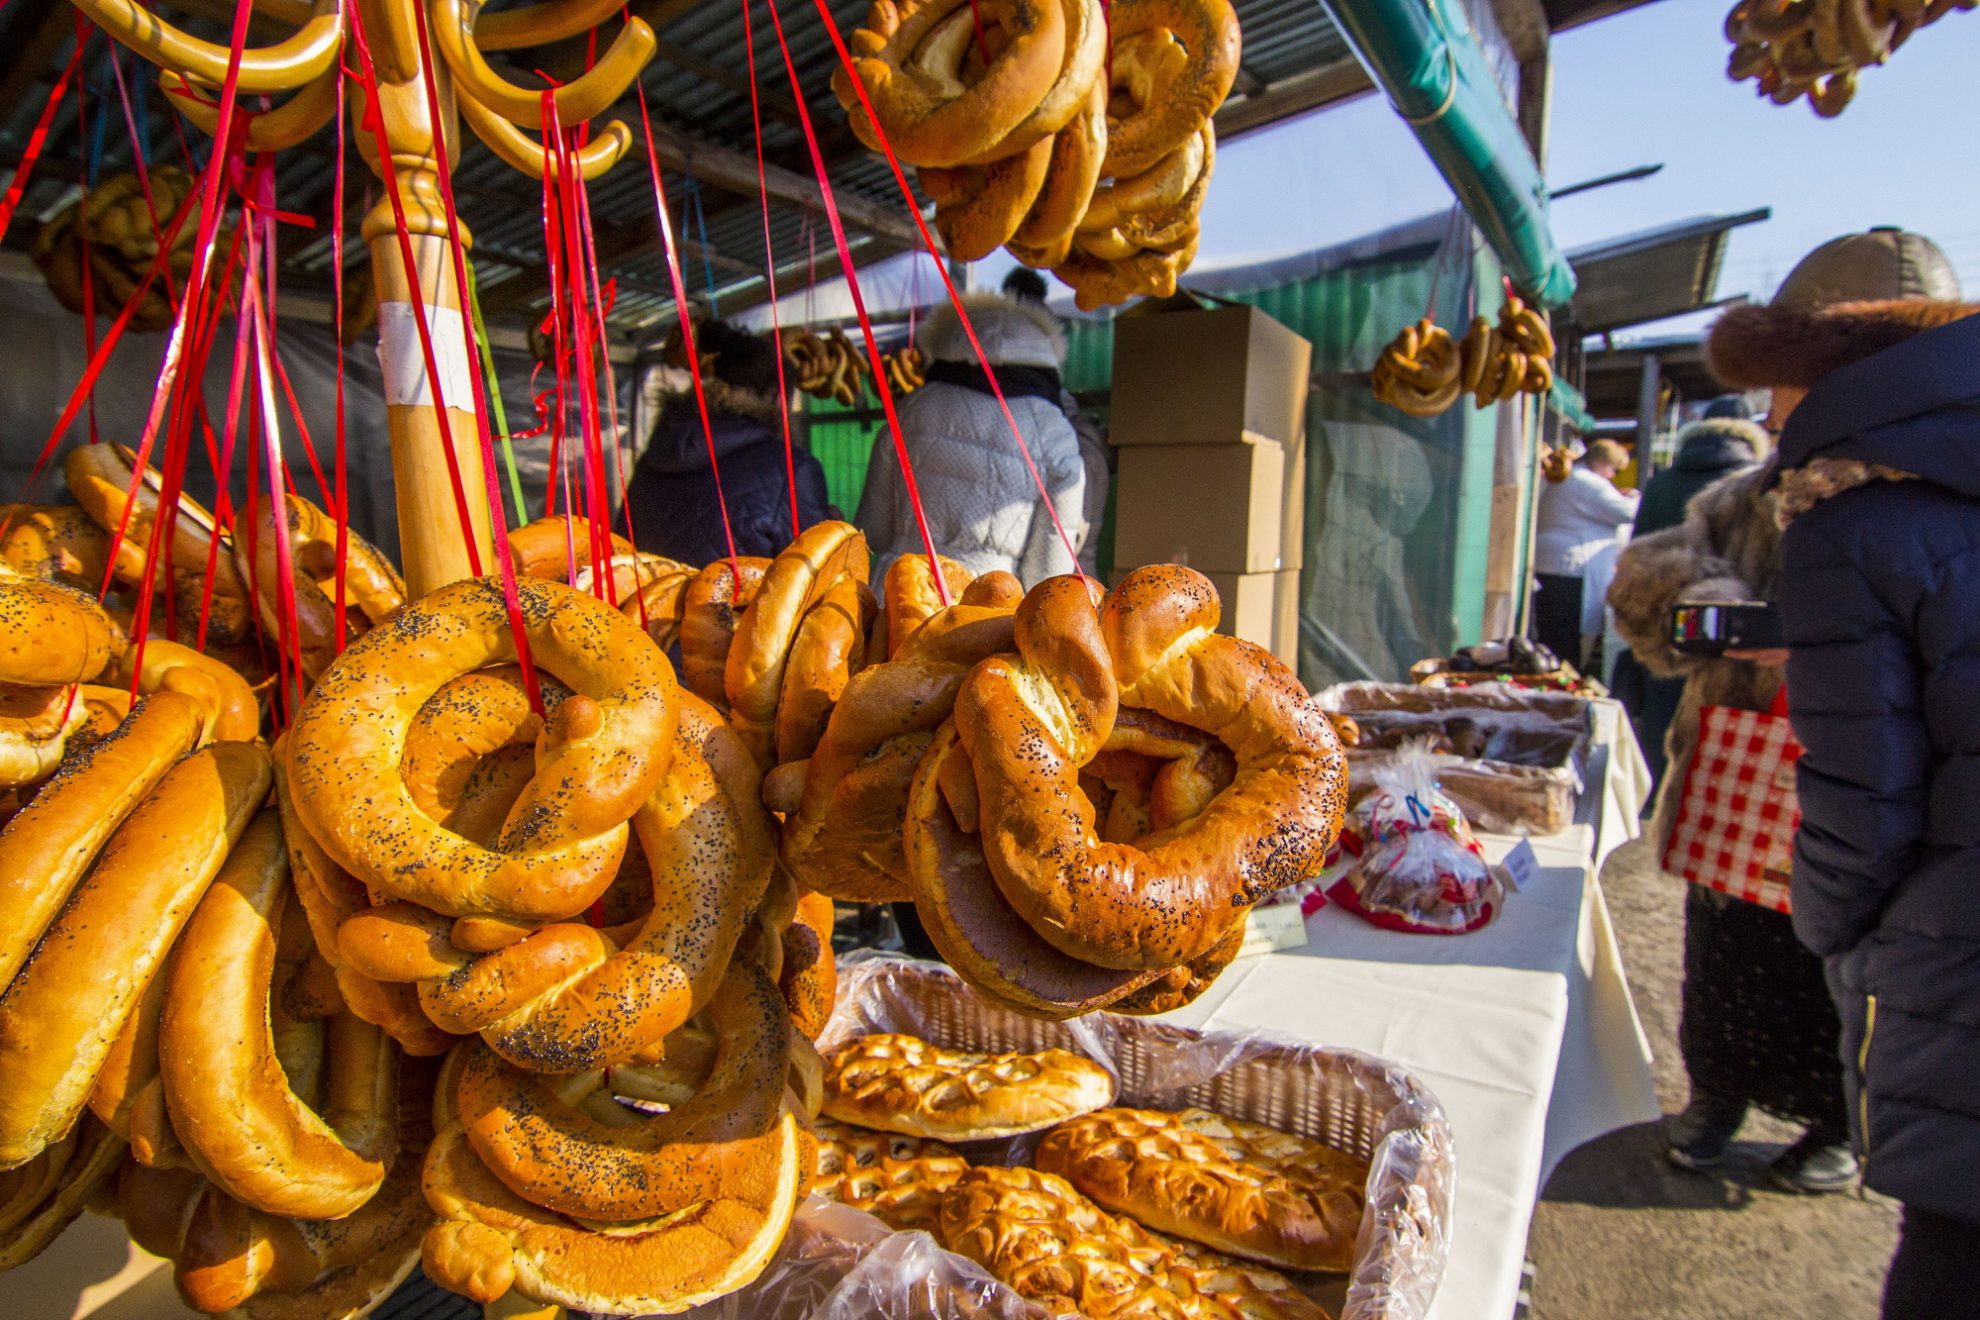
(598, 759)
(1029, 723)
(1070, 180)
(1176, 108)
(490, 1240)
(101, 477)
(567, 998)
(1160, 187)
(844, 838)
(1085, 64)
(829, 649)
(711, 609)
(930, 115)
(796, 580)
(556, 1154)
(227, 1092)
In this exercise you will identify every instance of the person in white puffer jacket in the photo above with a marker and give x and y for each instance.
(983, 508)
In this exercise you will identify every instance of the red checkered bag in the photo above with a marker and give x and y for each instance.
(1737, 817)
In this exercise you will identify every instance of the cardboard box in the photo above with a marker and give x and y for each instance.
(1189, 377)
(1285, 617)
(1292, 508)
(1215, 508)
(1249, 607)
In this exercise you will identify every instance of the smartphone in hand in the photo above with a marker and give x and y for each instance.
(1710, 629)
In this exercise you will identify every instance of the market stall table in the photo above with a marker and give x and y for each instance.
(1524, 1030)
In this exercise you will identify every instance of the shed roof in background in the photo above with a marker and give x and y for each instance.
(1655, 274)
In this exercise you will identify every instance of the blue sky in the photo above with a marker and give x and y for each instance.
(1645, 87)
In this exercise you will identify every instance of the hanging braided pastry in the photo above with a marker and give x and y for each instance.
(1816, 48)
(1418, 371)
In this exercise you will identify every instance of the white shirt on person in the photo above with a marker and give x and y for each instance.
(1578, 519)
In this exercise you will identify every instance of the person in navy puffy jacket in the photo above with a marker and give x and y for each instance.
(1879, 495)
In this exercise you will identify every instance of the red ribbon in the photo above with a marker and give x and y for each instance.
(37, 141)
(770, 277)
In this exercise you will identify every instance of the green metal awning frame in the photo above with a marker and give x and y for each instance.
(1423, 55)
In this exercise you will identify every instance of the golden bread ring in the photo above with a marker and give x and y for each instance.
(978, 208)
(717, 1146)
(796, 580)
(601, 756)
(46, 848)
(1184, 985)
(1146, 274)
(490, 1240)
(1245, 1188)
(1161, 187)
(101, 478)
(56, 542)
(900, 1083)
(711, 610)
(809, 977)
(844, 839)
(1176, 108)
(1028, 723)
(930, 116)
(50, 634)
(228, 1095)
(1082, 73)
(828, 650)
(627, 574)
(1421, 371)
(471, 749)
(657, 606)
(61, 1016)
(1070, 178)
(567, 998)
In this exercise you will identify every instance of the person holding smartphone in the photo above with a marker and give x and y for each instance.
(1878, 490)
(1758, 1026)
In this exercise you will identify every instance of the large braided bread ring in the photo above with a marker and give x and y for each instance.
(1029, 723)
(568, 998)
(601, 757)
(1176, 107)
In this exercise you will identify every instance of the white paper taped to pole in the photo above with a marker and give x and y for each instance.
(403, 362)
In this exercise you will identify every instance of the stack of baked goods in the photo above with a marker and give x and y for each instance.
(1076, 134)
(826, 366)
(1127, 1212)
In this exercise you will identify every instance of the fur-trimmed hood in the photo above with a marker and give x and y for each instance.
(1891, 386)
(1761, 347)
(1720, 444)
(1013, 333)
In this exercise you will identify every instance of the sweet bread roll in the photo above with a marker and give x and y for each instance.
(908, 597)
(47, 846)
(35, 724)
(56, 542)
(66, 1008)
(809, 976)
(899, 1083)
(1183, 95)
(235, 710)
(372, 587)
(711, 609)
(554, 548)
(796, 581)
(1244, 1188)
(897, 1179)
(829, 649)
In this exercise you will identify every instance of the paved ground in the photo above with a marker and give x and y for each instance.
(1621, 1235)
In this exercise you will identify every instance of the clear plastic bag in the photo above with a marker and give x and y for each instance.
(843, 1265)
(1411, 862)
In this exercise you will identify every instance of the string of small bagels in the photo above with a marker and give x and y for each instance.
(344, 932)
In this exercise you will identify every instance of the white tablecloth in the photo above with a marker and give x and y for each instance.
(1524, 1030)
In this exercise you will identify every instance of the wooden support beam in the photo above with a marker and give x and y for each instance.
(1525, 25)
(1293, 96)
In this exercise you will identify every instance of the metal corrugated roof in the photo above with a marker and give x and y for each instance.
(1655, 274)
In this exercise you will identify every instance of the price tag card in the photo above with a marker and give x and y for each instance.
(1274, 926)
(1520, 865)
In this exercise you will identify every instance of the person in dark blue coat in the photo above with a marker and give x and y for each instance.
(675, 511)
(1879, 495)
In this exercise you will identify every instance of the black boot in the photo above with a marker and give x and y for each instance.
(1700, 1136)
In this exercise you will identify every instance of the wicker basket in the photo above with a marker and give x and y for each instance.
(1348, 1100)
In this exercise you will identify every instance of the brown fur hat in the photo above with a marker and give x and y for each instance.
(1764, 347)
